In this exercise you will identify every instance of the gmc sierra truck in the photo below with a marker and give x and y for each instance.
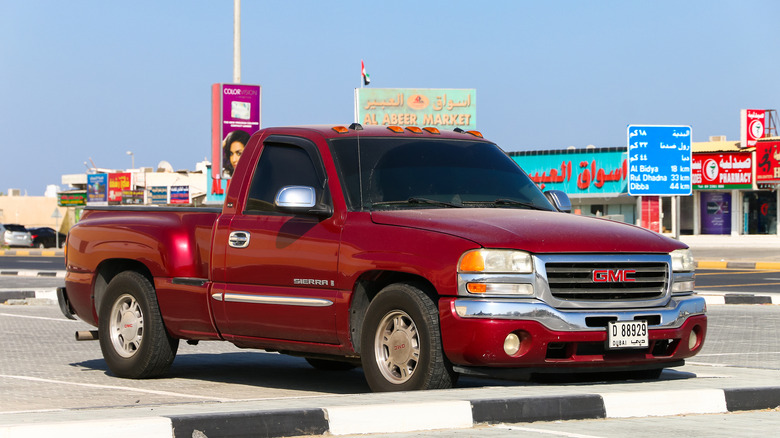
(414, 253)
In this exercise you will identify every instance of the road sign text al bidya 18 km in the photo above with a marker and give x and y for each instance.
(659, 160)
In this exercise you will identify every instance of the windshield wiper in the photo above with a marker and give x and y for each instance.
(505, 201)
(418, 200)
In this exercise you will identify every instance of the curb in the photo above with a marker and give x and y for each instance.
(33, 273)
(717, 299)
(32, 252)
(722, 264)
(383, 418)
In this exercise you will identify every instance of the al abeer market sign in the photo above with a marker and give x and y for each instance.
(440, 108)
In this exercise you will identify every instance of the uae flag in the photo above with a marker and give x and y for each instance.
(366, 78)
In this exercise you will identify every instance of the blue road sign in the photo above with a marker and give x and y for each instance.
(659, 160)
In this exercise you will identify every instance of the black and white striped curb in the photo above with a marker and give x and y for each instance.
(32, 273)
(411, 417)
(740, 298)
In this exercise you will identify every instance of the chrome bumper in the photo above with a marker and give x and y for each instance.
(673, 315)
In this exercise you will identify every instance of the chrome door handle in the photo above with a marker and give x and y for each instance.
(239, 239)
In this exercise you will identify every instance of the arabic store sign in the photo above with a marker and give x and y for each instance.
(732, 170)
(72, 199)
(441, 108)
(180, 194)
(117, 183)
(768, 166)
(751, 127)
(97, 188)
(578, 172)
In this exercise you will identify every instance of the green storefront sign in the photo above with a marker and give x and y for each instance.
(72, 199)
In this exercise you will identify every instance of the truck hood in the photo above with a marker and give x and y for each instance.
(532, 230)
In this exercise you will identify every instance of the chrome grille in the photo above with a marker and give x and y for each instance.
(574, 281)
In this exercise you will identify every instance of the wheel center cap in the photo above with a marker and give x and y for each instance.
(400, 345)
(128, 326)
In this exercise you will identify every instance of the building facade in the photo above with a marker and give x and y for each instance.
(734, 188)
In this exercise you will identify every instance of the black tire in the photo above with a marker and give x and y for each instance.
(330, 365)
(401, 342)
(133, 338)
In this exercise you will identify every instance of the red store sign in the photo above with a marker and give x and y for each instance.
(768, 162)
(728, 170)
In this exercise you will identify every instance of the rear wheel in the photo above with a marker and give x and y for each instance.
(133, 338)
(401, 342)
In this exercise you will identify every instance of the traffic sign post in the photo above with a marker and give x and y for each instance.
(56, 215)
(659, 160)
(659, 163)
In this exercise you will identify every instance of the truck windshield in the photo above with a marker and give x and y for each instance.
(395, 173)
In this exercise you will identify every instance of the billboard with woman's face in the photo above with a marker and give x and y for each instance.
(235, 117)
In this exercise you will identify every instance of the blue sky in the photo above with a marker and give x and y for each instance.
(92, 79)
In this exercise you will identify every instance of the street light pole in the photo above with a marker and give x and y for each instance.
(236, 41)
(132, 159)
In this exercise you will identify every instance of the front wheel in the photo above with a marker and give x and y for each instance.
(401, 342)
(133, 338)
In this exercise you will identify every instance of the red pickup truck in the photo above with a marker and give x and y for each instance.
(414, 253)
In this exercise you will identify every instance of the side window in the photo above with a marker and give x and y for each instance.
(279, 166)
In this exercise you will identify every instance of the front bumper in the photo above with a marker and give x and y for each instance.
(473, 334)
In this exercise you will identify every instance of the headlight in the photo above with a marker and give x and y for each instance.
(682, 261)
(496, 261)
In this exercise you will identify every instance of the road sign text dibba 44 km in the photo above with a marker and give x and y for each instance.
(659, 160)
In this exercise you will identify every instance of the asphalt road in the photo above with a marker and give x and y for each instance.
(32, 263)
(738, 280)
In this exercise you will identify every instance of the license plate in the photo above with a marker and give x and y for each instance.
(627, 334)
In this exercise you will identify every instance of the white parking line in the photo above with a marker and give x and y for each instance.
(38, 317)
(121, 388)
(737, 354)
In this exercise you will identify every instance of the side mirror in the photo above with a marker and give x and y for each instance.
(559, 199)
(300, 200)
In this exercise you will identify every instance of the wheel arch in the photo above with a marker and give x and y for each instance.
(368, 286)
(107, 270)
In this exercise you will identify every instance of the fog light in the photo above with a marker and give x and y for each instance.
(693, 340)
(511, 344)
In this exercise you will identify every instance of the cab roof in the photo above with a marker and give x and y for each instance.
(357, 130)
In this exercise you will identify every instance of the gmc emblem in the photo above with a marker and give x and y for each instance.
(613, 275)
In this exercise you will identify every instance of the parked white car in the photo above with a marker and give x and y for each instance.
(15, 235)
